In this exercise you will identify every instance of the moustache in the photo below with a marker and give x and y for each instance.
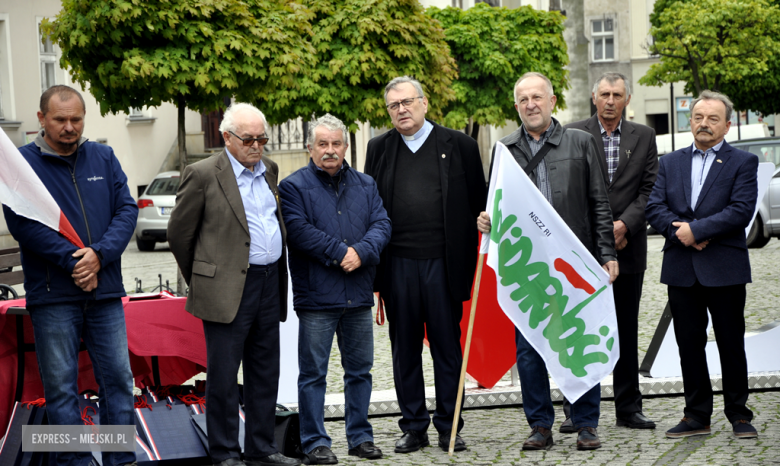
(330, 156)
(704, 130)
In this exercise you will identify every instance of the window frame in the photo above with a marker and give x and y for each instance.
(601, 37)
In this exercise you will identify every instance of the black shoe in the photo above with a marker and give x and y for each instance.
(227, 462)
(444, 442)
(320, 455)
(744, 429)
(276, 458)
(567, 427)
(635, 420)
(540, 439)
(687, 428)
(588, 439)
(366, 450)
(411, 441)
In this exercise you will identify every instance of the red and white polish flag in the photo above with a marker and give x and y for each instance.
(547, 283)
(24, 193)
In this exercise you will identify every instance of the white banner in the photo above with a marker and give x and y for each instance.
(549, 285)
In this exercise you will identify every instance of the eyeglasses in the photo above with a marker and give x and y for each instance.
(406, 103)
(249, 141)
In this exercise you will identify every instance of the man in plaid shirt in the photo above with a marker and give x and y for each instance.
(630, 168)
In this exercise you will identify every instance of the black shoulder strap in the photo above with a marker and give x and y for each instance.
(537, 158)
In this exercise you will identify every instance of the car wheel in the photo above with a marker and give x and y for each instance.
(144, 245)
(756, 238)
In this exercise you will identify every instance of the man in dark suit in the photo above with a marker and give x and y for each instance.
(227, 235)
(432, 184)
(630, 167)
(702, 202)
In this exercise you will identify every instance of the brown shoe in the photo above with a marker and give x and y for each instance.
(588, 439)
(540, 439)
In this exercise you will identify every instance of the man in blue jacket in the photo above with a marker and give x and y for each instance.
(336, 229)
(702, 201)
(73, 293)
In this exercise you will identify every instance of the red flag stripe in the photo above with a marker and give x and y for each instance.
(68, 232)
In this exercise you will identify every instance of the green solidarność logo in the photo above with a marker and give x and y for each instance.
(534, 280)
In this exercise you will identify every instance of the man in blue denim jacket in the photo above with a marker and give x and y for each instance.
(73, 293)
(336, 229)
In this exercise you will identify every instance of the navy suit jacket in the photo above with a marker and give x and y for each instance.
(722, 212)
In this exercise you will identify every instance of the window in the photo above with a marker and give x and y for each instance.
(6, 83)
(603, 39)
(137, 116)
(47, 52)
(163, 187)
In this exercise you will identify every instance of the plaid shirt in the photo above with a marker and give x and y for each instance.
(611, 148)
(542, 183)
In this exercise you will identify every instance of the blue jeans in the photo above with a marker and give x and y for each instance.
(58, 329)
(535, 385)
(355, 331)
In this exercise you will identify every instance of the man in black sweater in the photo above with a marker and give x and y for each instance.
(432, 184)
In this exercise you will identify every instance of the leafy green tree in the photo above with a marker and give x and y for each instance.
(731, 46)
(493, 47)
(191, 53)
(361, 45)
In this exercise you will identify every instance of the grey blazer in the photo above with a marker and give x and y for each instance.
(209, 237)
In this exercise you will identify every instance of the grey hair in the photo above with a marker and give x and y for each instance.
(331, 123)
(404, 79)
(532, 74)
(229, 118)
(712, 95)
(612, 77)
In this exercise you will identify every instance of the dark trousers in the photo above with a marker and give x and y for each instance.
(421, 299)
(254, 337)
(625, 377)
(689, 314)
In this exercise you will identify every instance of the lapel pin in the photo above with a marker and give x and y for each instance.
(719, 160)
(628, 153)
(443, 156)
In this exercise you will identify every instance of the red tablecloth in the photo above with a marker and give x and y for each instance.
(156, 326)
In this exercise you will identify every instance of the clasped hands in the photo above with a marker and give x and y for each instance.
(351, 261)
(685, 235)
(86, 269)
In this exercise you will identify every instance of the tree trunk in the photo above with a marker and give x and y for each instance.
(353, 145)
(475, 131)
(181, 136)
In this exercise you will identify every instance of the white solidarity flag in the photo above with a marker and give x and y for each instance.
(549, 284)
(24, 193)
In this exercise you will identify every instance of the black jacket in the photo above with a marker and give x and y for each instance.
(578, 187)
(464, 195)
(630, 186)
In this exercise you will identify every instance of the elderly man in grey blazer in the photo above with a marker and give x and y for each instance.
(228, 237)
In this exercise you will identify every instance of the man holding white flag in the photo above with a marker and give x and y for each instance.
(73, 293)
(547, 262)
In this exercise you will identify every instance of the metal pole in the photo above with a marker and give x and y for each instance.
(671, 114)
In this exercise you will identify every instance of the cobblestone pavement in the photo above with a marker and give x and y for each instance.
(495, 436)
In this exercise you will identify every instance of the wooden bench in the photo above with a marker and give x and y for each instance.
(10, 258)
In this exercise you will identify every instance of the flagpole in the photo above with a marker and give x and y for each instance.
(466, 354)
